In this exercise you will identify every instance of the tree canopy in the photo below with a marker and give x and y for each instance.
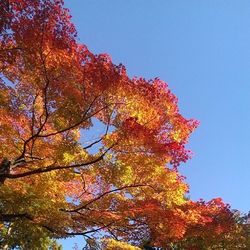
(120, 189)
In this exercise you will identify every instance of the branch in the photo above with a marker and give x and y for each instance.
(11, 217)
(106, 193)
(4, 169)
(108, 229)
(76, 124)
(92, 231)
(53, 168)
(33, 136)
(33, 123)
(37, 134)
(106, 132)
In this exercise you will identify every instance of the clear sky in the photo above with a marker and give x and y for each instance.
(201, 48)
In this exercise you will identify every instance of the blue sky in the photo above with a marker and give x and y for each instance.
(201, 48)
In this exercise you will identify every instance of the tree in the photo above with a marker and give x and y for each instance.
(123, 186)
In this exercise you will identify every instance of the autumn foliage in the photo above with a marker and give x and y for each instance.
(121, 188)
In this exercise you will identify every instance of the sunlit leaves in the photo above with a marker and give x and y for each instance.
(110, 244)
(65, 178)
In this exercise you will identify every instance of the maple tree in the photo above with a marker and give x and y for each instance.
(121, 190)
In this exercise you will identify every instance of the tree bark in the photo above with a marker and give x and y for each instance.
(4, 169)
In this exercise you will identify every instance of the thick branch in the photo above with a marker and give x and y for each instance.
(12, 217)
(4, 169)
